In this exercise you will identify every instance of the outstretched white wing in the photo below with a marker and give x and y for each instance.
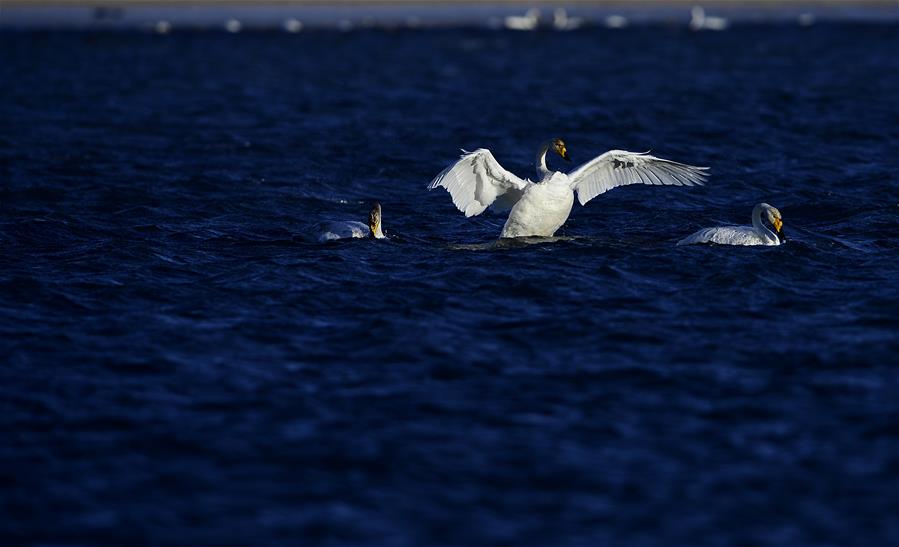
(618, 168)
(477, 180)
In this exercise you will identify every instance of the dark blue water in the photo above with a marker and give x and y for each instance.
(179, 365)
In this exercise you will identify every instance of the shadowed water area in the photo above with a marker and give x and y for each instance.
(182, 365)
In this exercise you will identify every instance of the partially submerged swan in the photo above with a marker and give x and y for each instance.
(351, 229)
(478, 181)
(757, 234)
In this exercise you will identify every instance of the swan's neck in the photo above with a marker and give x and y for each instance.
(542, 170)
(765, 232)
(374, 222)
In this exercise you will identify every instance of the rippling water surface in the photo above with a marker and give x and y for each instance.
(182, 365)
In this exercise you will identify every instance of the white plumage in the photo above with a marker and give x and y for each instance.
(477, 181)
(757, 234)
(700, 21)
(620, 168)
(330, 231)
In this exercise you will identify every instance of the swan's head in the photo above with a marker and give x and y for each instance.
(776, 220)
(374, 221)
(559, 147)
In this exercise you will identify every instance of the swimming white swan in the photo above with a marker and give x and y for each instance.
(616, 21)
(331, 231)
(478, 181)
(528, 21)
(562, 21)
(700, 21)
(758, 234)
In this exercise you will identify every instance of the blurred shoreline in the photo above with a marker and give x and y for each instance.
(294, 15)
(647, 4)
(641, 4)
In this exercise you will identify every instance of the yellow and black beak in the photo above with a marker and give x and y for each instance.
(564, 153)
(778, 229)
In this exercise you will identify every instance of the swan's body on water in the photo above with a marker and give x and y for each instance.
(331, 231)
(528, 21)
(757, 234)
(700, 21)
(477, 181)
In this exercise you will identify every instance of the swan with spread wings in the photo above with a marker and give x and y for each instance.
(477, 181)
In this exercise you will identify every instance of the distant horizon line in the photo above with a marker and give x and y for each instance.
(373, 3)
